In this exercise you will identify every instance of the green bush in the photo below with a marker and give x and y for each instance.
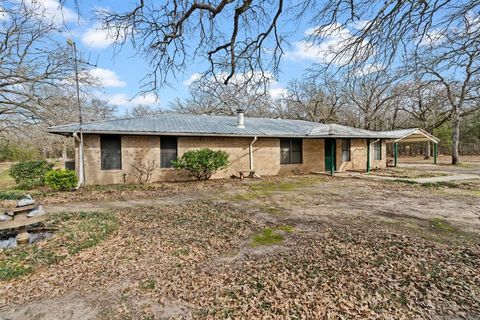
(13, 152)
(61, 179)
(29, 174)
(202, 164)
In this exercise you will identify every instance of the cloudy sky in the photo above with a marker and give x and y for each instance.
(121, 71)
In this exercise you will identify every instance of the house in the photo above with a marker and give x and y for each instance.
(260, 145)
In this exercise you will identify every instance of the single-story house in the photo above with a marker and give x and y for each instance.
(261, 145)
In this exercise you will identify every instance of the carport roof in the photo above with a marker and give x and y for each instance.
(409, 135)
(207, 125)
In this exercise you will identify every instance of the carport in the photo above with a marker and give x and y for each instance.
(410, 135)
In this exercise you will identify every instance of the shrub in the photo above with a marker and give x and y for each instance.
(143, 171)
(202, 164)
(29, 174)
(14, 152)
(61, 179)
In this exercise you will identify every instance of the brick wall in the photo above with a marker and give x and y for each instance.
(358, 156)
(266, 157)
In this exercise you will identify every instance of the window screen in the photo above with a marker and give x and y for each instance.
(377, 150)
(346, 150)
(290, 151)
(111, 152)
(168, 151)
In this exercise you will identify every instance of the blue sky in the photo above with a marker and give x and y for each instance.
(121, 72)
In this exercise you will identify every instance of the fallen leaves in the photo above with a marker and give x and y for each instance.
(168, 262)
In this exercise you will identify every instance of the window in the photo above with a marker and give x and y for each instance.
(346, 150)
(168, 151)
(377, 150)
(111, 152)
(290, 151)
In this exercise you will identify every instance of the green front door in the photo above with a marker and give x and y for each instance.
(330, 152)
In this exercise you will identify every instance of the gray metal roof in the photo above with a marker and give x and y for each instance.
(411, 134)
(206, 125)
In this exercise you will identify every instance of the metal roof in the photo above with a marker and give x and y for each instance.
(206, 125)
(410, 135)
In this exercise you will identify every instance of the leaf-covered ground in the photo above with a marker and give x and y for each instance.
(276, 251)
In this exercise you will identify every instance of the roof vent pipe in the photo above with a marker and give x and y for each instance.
(240, 119)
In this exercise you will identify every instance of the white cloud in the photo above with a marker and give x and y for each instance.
(3, 14)
(107, 78)
(51, 10)
(432, 38)
(122, 100)
(278, 92)
(98, 37)
(194, 77)
(360, 24)
(334, 39)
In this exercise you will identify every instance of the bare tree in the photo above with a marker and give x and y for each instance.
(239, 36)
(231, 34)
(31, 60)
(143, 110)
(313, 101)
(58, 107)
(209, 97)
(426, 104)
(370, 95)
(452, 62)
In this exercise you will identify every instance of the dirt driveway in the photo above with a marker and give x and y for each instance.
(300, 247)
(469, 164)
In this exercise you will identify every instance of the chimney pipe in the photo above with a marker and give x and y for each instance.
(240, 119)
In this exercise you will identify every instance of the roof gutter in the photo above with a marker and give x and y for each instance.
(250, 153)
(192, 134)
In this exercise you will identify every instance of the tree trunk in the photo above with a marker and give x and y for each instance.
(427, 150)
(455, 138)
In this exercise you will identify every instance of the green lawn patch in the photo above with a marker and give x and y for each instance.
(11, 194)
(441, 184)
(148, 284)
(270, 236)
(442, 226)
(75, 232)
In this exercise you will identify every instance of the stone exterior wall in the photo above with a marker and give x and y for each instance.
(266, 157)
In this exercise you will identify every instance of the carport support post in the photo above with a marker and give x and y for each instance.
(332, 156)
(435, 153)
(395, 153)
(368, 155)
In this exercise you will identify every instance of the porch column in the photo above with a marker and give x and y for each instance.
(368, 155)
(435, 153)
(395, 153)
(332, 156)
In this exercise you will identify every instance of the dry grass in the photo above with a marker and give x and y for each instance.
(319, 259)
(5, 180)
(75, 232)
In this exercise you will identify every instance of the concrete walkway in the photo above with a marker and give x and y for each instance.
(454, 177)
(457, 177)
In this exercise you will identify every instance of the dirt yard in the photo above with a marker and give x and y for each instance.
(310, 247)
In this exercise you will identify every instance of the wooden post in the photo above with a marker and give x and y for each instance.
(395, 153)
(435, 153)
(368, 155)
